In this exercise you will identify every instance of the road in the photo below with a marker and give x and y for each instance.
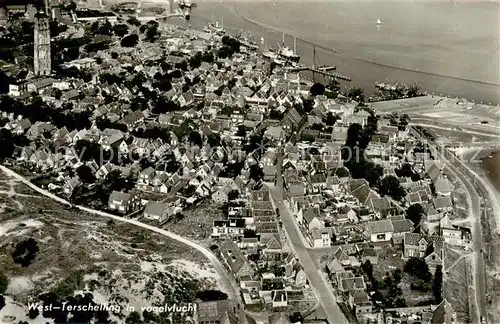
(321, 287)
(226, 279)
(457, 167)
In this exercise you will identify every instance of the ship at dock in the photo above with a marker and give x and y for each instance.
(287, 54)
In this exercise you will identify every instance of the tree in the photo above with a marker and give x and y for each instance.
(242, 131)
(418, 268)
(437, 285)
(85, 174)
(233, 195)
(333, 85)
(2, 302)
(120, 30)
(195, 60)
(33, 313)
(133, 21)
(4, 282)
(25, 252)
(406, 170)
(296, 318)
(330, 119)
(341, 172)
(88, 150)
(195, 138)
(390, 186)
(152, 34)
(211, 295)
(133, 318)
(353, 135)
(129, 40)
(208, 57)
(415, 213)
(249, 233)
(256, 173)
(71, 6)
(397, 276)
(367, 268)
(317, 89)
(356, 93)
(6, 143)
(413, 91)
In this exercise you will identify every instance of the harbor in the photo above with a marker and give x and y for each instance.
(349, 61)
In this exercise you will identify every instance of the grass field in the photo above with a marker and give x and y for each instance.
(123, 263)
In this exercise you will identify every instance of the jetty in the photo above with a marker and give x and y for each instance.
(323, 70)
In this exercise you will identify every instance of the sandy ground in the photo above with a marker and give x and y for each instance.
(141, 267)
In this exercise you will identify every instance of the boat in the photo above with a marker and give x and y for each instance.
(279, 62)
(379, 22)
(270, 54)
(249, 44)
(288, 54)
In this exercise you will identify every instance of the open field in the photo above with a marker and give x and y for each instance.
(122, 264)
(458, 289)
(197, 221)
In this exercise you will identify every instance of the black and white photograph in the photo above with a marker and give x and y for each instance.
(249, 161)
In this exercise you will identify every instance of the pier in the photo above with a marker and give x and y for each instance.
(323, 70)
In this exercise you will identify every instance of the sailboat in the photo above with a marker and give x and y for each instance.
(379, 22)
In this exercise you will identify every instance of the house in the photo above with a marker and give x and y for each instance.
(360, 302)
(291, 120)
(361, 190)
(369, 254)
(455, 235)
(221, 196)
(273, 248)
(444, 314)
(217, 312)
(334, 267)
(443, 204)
(279, 298)
(443, 186)
(21, 126)
(156, 211)
(379, 231)
(70, 185)
(275, 133)
(430, 248)
(341, 256)
(348, 285)
(309, 218)
(382, 207)
(301, 279)
(322, 237)
(235, 260)
(401, 226)
(123, 202)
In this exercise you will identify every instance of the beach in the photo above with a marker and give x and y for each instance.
(443, 47)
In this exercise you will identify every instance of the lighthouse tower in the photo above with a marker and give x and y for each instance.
(41, 56)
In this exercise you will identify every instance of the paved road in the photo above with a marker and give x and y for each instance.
(321, 287)
(459, 169)
(219, 268)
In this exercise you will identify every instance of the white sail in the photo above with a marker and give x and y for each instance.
(379, 22)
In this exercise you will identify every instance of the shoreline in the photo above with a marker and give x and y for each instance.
(358, 58)
(362, 71)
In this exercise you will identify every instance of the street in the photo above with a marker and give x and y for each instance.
(456, 167)
(321, 287)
